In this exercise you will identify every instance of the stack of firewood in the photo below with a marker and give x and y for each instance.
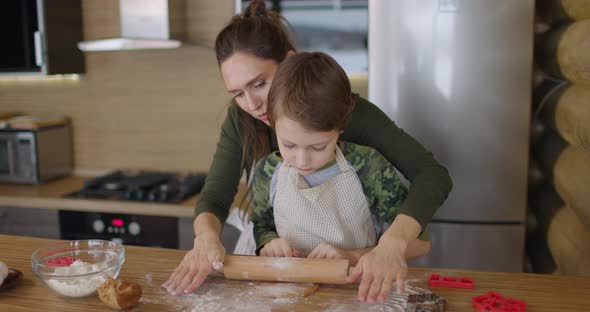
(559, 197)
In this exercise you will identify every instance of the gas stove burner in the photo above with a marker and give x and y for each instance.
(142, 186)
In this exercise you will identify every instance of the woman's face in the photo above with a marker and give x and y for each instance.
(248, 79)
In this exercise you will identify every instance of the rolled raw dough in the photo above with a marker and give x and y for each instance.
(284, 290)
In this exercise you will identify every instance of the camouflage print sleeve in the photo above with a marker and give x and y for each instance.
(380, 180)
(262, 211)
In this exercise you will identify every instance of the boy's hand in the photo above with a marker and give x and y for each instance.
(279, 247)
(327, 251)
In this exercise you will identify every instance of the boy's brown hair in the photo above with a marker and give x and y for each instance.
(311, 88)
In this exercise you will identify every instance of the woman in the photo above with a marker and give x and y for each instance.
(249, 50)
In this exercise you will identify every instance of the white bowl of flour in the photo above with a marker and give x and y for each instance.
(77, 268)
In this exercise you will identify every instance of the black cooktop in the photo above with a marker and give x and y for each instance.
(142, 186)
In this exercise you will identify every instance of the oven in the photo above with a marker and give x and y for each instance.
(149, 187)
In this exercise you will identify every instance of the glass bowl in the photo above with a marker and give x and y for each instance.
(76, 268)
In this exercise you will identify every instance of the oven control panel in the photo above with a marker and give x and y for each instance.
(116, 226)
(155, 231)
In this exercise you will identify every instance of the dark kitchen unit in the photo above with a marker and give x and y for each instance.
(139, 230)
(40, 37)
(150, 231)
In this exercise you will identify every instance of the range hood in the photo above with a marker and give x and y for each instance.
(144, 25)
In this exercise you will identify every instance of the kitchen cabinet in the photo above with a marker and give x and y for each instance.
(40, 37)
(186, 234)
(44, 201)
(33, 222)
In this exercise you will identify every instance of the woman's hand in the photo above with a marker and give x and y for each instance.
(196, 264)
(279, 247)
(379, 268)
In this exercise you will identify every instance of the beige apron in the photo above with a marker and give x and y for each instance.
(335, 212)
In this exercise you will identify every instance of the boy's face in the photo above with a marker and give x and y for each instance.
(304, 149)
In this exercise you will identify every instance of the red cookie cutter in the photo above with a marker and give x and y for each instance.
(440, 280)
(495, 302)
(61, 261)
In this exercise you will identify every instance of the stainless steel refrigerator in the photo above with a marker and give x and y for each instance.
(456, 75)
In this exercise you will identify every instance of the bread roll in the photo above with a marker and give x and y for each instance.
(119, 294)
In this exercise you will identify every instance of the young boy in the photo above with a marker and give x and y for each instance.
(319, 197)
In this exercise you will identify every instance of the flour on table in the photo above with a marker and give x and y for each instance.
(79, 287)
(148, 278)
(395, 302)
(218, 295)
(258, 296)
(284, 290)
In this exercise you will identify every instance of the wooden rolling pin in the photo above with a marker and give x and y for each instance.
(286, 269)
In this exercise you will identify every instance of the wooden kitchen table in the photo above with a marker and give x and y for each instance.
(151, 266)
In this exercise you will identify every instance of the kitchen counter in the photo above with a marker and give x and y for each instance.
(49, 196)
(540, 292)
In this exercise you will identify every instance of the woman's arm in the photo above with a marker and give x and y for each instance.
(402, 232)
(386, 263)
(431, 183)
(206, 223)
(199, 261)
(385, 192)
(224, 174)
(416, 248)
(211, 210)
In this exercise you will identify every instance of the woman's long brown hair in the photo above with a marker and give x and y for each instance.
(262, 33)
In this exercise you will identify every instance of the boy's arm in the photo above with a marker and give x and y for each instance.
(262, 211)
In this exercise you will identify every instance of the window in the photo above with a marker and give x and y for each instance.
(335, 27)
